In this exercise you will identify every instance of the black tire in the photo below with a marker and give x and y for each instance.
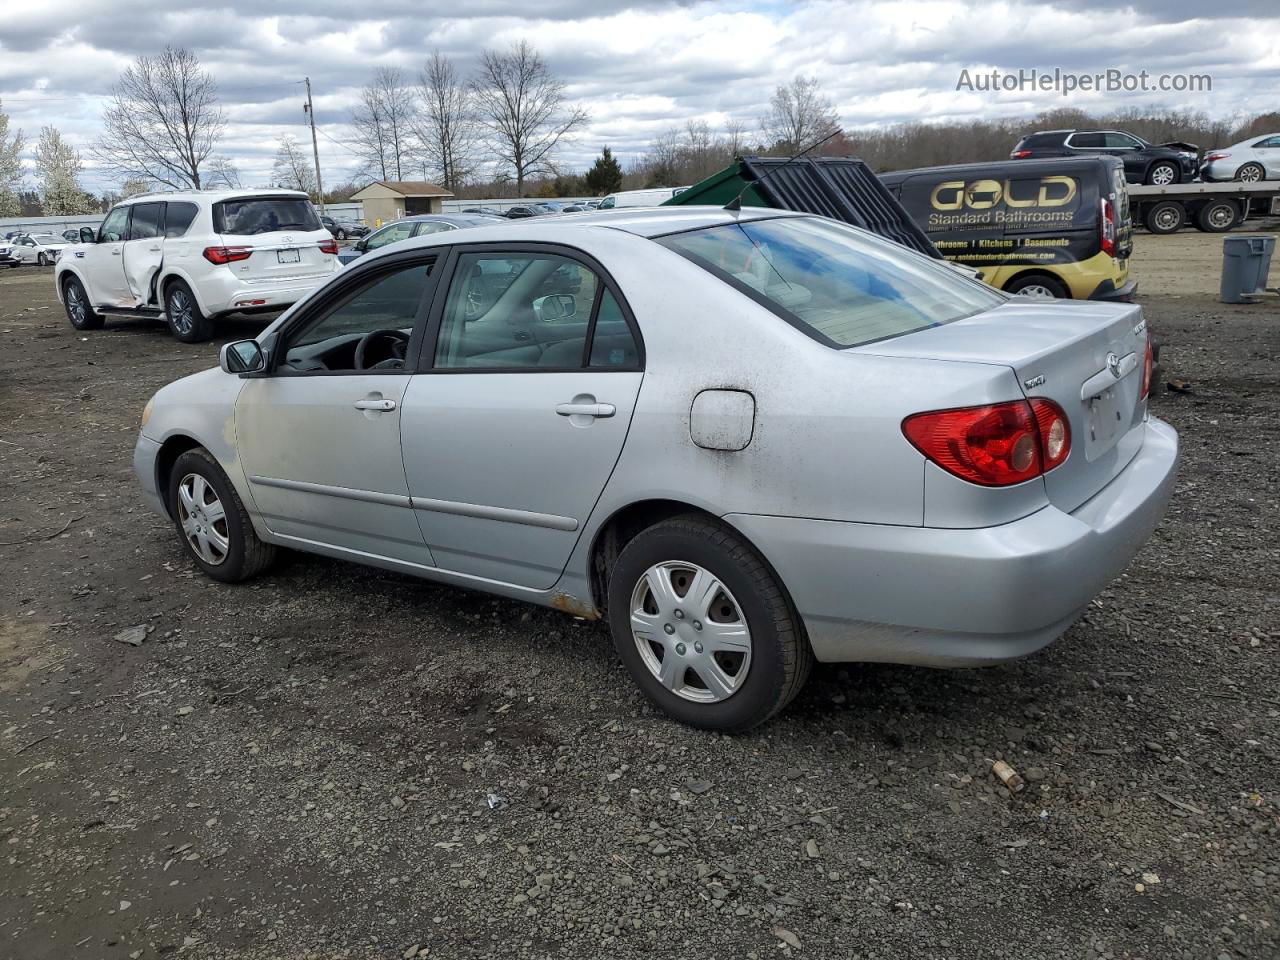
(780, 657)
(182, 312)
(1167, 216)
(1217, 216)
(1251, 173)
(1165, 167)
(341, 235)
(73, 289)
(246, 555)
(41, 260)
(1049, 283)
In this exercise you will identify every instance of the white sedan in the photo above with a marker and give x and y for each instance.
(38, 248)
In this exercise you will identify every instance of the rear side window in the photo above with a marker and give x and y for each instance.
(1041, 140)
(254, 215)
(147, 221)
(842, 286)
(178, 218)
(1087, 140)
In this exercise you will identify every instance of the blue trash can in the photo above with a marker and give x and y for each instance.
(1246, 260)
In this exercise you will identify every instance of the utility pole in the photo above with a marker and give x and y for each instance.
(310, 110)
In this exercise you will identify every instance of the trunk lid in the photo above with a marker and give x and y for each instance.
(1069, 351)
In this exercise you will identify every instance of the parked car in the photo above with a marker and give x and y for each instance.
(878, 470)
(490, 211)
(1249, 161)
(41, 249)
(1049, 228)
(193, 256)
(575, 208)
(341, 229)
(7, 256)
(524, 210)
(1144, 162)
(419, 226)
(639, 198)
(593, 203)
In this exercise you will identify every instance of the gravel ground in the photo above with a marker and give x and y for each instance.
(343, 762)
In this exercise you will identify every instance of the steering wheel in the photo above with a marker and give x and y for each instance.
(395, 342)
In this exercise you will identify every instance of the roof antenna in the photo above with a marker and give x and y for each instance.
(735, 204)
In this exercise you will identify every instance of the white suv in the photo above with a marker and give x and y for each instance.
(192, 256)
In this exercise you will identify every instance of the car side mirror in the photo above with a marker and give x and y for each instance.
(88, 235)
(557, 306)
(241, 357)
(361, 245)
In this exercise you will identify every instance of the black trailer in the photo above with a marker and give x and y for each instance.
(1212, 207)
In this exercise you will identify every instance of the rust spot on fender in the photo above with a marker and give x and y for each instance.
(571, 604)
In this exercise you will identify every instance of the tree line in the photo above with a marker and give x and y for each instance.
(497, 131)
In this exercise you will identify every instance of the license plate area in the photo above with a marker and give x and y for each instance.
(1105, 423)
(289, 256)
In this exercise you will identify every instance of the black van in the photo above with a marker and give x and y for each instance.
(1056, 227)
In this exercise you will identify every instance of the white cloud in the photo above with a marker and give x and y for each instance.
(639, 68)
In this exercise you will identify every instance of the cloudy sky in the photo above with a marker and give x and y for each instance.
(638, 67)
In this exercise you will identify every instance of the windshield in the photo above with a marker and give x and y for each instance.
(264, 215)
(841, 285)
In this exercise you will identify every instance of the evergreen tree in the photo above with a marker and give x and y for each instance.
(605, 175)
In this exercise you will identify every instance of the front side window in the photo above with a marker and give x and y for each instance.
(368, 329)
(389, 234)
(114, 227)
(843, 286)
(517, 311)
(1122, 140)
(146, 221)
(178, 218)
(254, 215)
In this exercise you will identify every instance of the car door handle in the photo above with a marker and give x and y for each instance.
(382, 406)
(585, 409)
(115, 253)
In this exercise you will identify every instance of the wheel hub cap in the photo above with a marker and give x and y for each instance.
(690, 632)
(203, 519)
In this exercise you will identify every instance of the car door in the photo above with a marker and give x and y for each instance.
(143, 251)
(1131, 153)
(1268, 153)
(102, 263)
(529, 379)
(319, 435)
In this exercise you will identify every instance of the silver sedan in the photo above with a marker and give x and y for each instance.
(745, 439)
(1248, 161)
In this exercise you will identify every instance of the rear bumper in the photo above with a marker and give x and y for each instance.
(947, 598)
(229, 294)
(1107, 290)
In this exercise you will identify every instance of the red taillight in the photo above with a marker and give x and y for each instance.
(1107, 228)
(221, 255)
(996, 445)
(1148, 364)
(1019, 154)
(329, 246)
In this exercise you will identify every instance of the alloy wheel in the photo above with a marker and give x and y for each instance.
(1163, 175)
(1250, 173)
(1038, 290)
(203, 519)
(690, 632)
(75, 303)
(180, 311)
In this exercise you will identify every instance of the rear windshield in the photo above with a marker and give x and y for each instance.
(841, 285)
(264, 215)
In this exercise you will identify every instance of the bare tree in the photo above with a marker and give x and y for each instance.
(446, 125)
(58, 165)
(798, 115)
(384, 121)
(10, 166)
(292, 167)
(522, 106)
(223, 172)
(735, 137)
(163, 121)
